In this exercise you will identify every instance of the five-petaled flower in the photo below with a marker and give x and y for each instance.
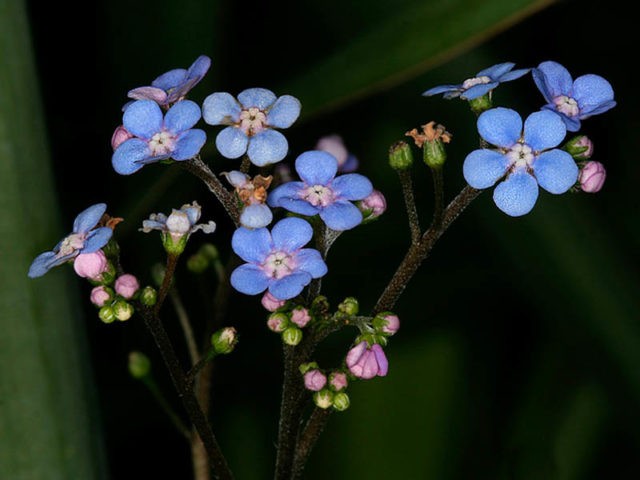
(525, 158)
(157, 137)
(574, 100)
(321, 192)
(276, 260)
(251, 121)
(85, 238)
(173, 86)
(484, 81)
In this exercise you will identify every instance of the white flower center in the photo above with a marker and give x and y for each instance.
(520, 155)
(278, 265)
(178, 223)
(252, 121)
(318, 195)
(162, 143)
(566, 105)
(472, 82)
(73, 242)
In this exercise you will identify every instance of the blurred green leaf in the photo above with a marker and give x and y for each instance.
(421, 35)
(46, 429)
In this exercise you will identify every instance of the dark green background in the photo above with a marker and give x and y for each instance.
(519, 353)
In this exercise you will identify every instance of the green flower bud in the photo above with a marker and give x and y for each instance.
(320, 305)
(400, 156)
(579, 147)
(139, 365)
(224, 340)
(323, 398)
(111, 249)
(210, 251)
(122, 310)
(292, 336)
(148, 296)
(341, 401)
(349, 306)
(197, 263)
(278, 322)
(106, 314)
(305, 367)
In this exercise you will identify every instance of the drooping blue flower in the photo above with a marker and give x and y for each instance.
(484, 81)
(173, 86)
(157, 137)
(524, 159)
(276, 260)
(574, 100)
(84, 238)
(251, 122)
(321, 192)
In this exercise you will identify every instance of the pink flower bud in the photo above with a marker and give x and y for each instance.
(592, 177)
(300, 316)
(387, 323)
(277, 322)
(271, 303)
(119, 136)
(91, 265)
(127, 285)
(314, 380)
(374, 202)
(334, 145)
(100, 295)
(338, 381)
(366, 362)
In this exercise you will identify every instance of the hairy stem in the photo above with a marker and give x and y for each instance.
(438, 196)
(410, 204)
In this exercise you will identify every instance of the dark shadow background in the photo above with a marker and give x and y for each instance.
(518, 354)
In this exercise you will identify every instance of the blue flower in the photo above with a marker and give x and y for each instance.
(173, 86)
(251, 121)
(157, 137)
(484, 81)
(525, 158)
(574, 100)
(276, 259)
(84, 238)
(321, 192)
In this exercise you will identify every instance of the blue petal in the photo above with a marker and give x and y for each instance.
(590, 91)
(170, 79)
(352, 186)
(284, 112)
(257, 97)
(148, 93)
(129, 155)
(556, 171)
(143, 118)
(483, 168)
(552, 79)
(88, 218)
(256, 216)
(478, 90)
(441, 89)
(291, 234)
(517, 195)
(341, 215)
(199, 67)
(286, 190)
(596, 110)
(316, 167)
(515, 74)
(252, 246)
(249, 279)
(310, 261)
(544, 130)
(182, 116)
(500, 126)
(572, 124)
(349, 165)
(267, 147)
(289, 286)
(232, 142)
(220, 108)
(496, 71)
(97, 239)
(188, 144)
(41, 264)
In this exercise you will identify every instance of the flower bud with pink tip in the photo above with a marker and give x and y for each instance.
(592, 177)
(271, 303)
(372, 206)
(127, 285)
(100, 295)
(314, 380)
(91, 265)
(386, 323)
(300, 316)
(120, 135)
(366, 361)
(278, 322)
(338, 381)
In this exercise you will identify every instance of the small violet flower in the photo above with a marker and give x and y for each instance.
(333, 144)
(251, 121)
(253, 194)
(85, 238)
(276, 259)
(524, 159)
(573, 100)
(321, 192)
(173, 86)
(484, 81)
(155, 137)
(366, 362)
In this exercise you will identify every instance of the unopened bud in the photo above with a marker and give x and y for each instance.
(278, 322)
(139, 365)
(127, 285)
(271, 303)
(224, 340)
(349, 306)
(592, 177)
(101, 295)
(338, 381)
(372, 206)
(386, 323)
(341, 401)
(122, 310)
(314, 380)
(320, 305)
(210, 251)
(300, 316)
(400, 156)
(106, 314)
(197, 263)
(580, 147)
(90, 265)
(305, 367)
(323, 399)
(148, 296)
(120, 135)
(292, 336)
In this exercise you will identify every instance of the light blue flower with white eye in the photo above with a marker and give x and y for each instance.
(276, 260)
(524, 159)
(251, 122)
(322, 193)
(84, 238)
(156, 136)
(484, 81)
(575, 100)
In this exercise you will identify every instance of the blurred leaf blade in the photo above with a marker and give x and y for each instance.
(46, 429)
(406, 44)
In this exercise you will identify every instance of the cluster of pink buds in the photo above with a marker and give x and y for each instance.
(592, 174)
(367, 358)
(329, 390)
(285, 319)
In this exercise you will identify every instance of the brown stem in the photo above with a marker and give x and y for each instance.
(167, 280)
(438, 196)
(312, 430)
(410, 204)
